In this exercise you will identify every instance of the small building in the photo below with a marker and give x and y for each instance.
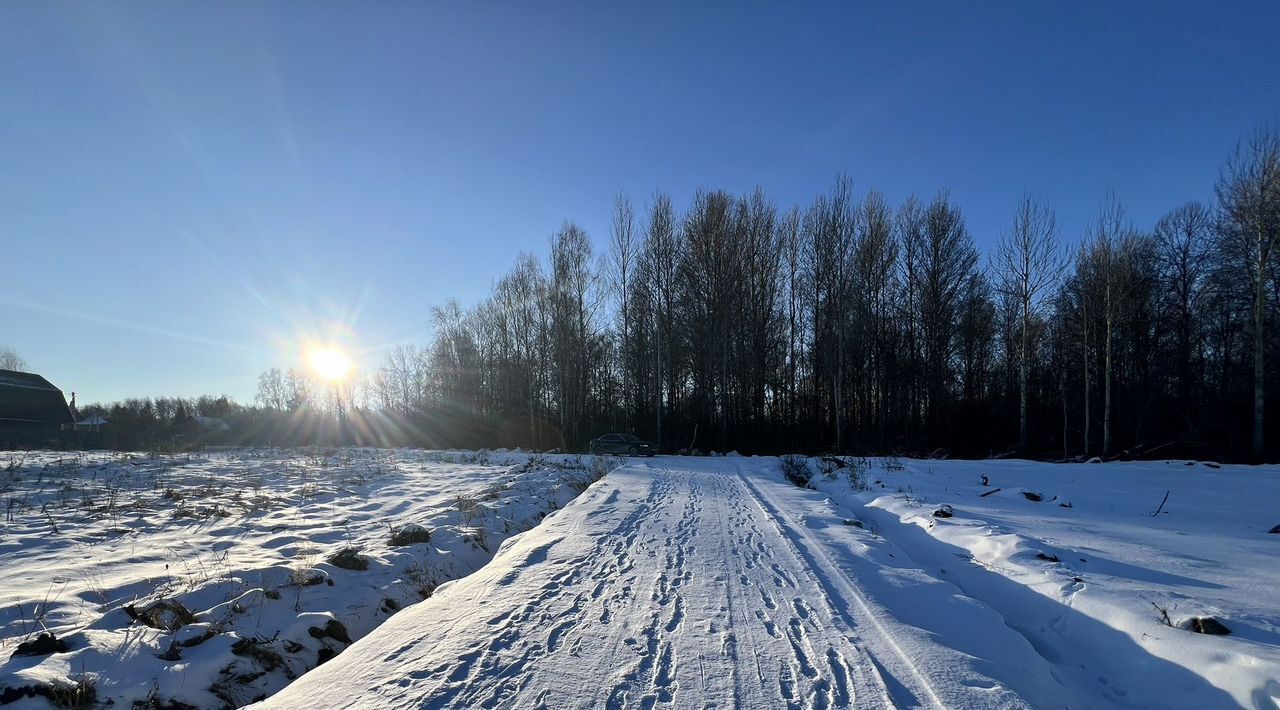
(93, 422)
(28, 400)
(211, 423)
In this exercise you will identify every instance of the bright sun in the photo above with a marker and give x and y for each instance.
(329, 363)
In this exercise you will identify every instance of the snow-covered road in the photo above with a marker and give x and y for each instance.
(691, 583)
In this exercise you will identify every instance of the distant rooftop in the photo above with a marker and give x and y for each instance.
(28, 399)
(14, 378)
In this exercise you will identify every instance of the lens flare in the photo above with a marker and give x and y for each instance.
(329, 363)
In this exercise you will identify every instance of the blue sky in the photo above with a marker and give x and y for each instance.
(188, 189)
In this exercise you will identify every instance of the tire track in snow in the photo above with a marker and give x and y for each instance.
(847, 601)
(798, 680)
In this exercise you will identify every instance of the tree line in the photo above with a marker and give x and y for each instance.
(848, 324)
(852, 324)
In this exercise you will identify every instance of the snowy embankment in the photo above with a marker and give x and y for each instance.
(1077, 560)
(215, 580)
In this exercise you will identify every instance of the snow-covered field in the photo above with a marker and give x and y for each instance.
(675, 582)
(715, 583)
(212, 580)
(1075, 558)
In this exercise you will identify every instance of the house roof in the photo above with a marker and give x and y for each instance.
(29, 399)
(13, 378)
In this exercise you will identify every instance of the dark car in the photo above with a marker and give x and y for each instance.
(628, 444)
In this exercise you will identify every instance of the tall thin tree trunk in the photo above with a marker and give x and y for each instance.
(1106, 406)
(657, 362)
(1259, 369)
(1023, 438)
(1085, 350)
(839, 389)
(1062, 387)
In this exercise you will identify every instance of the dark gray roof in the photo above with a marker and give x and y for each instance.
(29, 399)
(25, 379)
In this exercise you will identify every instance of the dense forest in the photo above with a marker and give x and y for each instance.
(849, 324)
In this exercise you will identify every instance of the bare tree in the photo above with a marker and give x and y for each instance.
(1182, 242)
(573, 280)
(400, 383)
(975, 331)
(829, 230)
(1028, 262)
(947, 260)
(1079, 304)
(1249, 199)
(909, 225)
(11, 360)
(710, 268)
(1111, 250)
(456, 358)
(757, 343)
(659, 270)
(526, 302)
(272, 390)
(875, 257)
(793, 279)
(300, 389)
(623, 254)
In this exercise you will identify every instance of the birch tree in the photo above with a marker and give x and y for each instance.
(1028, 262)
(1248, 194)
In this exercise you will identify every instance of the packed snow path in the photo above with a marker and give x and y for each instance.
(691, 583)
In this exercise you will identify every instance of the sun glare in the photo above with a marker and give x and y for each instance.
(329, 363)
